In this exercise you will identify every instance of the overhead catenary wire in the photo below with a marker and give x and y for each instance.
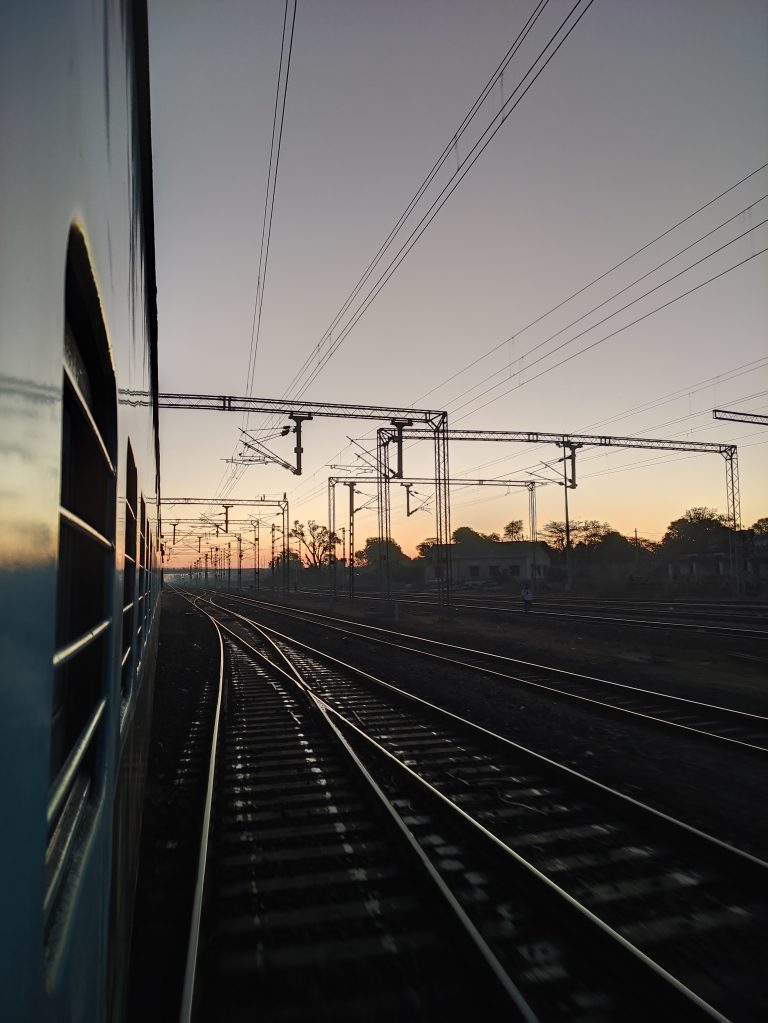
(658, 459)
(273, 170)
(271, 190)
(429, 178)
(593, 282)
(626, 326)
(577, 293)
(619, 330)
(596, 280)
(727, 376)
(496, 123)
(617, 451)
(746, 366)
(458, 176)
(649, 273)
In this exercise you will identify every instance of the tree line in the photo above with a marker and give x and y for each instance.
(699, 530)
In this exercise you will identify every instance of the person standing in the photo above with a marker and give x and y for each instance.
(527, 594)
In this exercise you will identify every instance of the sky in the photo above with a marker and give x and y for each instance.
(647, 112)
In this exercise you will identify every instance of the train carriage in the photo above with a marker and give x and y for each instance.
(80, 547)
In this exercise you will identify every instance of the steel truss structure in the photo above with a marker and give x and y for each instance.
(297, 411)
(435, 425)
(383, 493)
(740, 417)
(246, 502)
(569, 442)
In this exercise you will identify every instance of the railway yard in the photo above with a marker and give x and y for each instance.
(383, 518)
(385, 810)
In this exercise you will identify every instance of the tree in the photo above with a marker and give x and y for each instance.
(370, 555)
(761, 526)
(612, 546)
(514, 530)
(698, 531)
(590, 532)
(465, 534)
(426, 546)
(554, 534)
(317, 541)
(290, 556)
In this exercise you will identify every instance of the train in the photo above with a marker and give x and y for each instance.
(80, 530)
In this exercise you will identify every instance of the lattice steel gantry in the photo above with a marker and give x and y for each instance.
(246, 502)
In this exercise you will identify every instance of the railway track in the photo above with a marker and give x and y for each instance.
(313, 908)
(750, 612)
(593, 906)
(712, 620)
(722, 725)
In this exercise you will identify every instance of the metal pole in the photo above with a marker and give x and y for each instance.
(733, 498)
(351, 541)
(568, 576)
(272, 562)
(286, 547)
(332, 531)
(568, 484)
(443, 507)
(532, 530)
(385, 529)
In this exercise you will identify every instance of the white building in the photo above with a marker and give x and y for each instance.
(496, 562)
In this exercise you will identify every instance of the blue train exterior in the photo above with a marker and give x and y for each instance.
(79, 498)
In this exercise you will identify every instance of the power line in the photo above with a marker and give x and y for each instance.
(626, 326)
(271, 190)
(656, 426)
(611, 298)
(595, 280)
(599, 278)
(448, 190)
(508, 107)
(427, 181)
(281, 93)
(646, 407)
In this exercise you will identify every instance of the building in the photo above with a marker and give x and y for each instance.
(476, 564)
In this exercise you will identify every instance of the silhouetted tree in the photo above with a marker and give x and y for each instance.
(554, 534)
(318, 542)
(426, 546)
(612, 546)
(465, 534)
(514, 530)
(290, 556)
(590, 532)
(369, 556)
(698, 531)
(761, 526)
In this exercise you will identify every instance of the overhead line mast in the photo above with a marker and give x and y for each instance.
(740, 417)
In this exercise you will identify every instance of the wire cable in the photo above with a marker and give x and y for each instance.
(595, 280)
(466, 165)
(611, 298)
(281, 93)
(427, 181)
(626, 326)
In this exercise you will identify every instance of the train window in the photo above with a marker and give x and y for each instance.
(82, 658)
(141, 630)
(129, 573)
